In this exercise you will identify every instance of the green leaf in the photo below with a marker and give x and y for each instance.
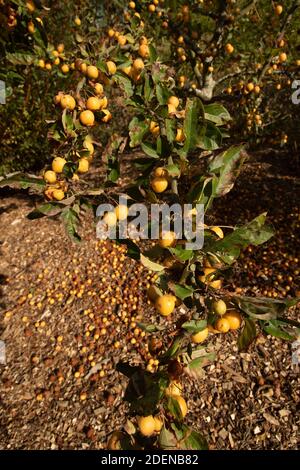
(247, 335)
(153, 53)
(18, 58)
(145, 390)
(215, 112)
(22, 180)
(263, 308)
(148, 90)
(144, 163)
(113, 175)
(226, 166)
(181, 253)
(149, 150)
(70, 219)
(254, 233)
(181, 292)
(194, 326)
(173, 350)
(201, 191)
(211, 139)
(125, 82)
(149, 328)
(49, 209)
(276, 328)
(170, 130)
(150, 264)
(174, 408)
(67, 121)
(192, 125)
(137, 130)
(193, 440)
(167, 440)
(162, 93)
(173, 170)
(133, 250)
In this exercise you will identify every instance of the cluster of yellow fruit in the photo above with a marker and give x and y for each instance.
(120, 213)
(254, 118)
(180, 50)
(57, 187)
(149, 425)
(132, 7)
(209, 278)
(228, 320)
(137, 65)
(173, 103)
(57, 56)
(134, 71)
(121, 38)
(160, 180)
(31, 26)
(92, 104)
(246, 88)
(11, 16)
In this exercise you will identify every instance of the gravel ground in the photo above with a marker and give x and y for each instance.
(69, 314)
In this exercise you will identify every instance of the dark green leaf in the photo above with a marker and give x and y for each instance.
(193, 440)
(211, 139)
(49, 209)
(181, 292)
(193, 123)
(174, 408)
(149, 150)
(276, 328)
(173, 170)
(167, 440)
(227, 166)
(173, 350)
(162, 93)
(194, 326)
(149, 328)
(215, 112)
(263, 308)
(137, 130)
(181, 253)
(19, 58)
(150, 264)
(22, 180)
(170, 130)
(247, 335)
(253, 233)
(70, 219)
(125, 82)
